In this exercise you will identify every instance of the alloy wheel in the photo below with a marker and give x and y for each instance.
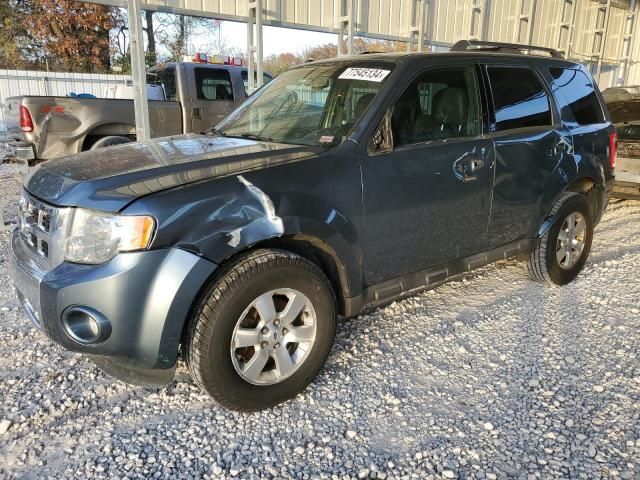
(273, 336)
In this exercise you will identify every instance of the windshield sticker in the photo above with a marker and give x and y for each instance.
(370, 74)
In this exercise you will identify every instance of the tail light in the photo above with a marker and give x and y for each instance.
(613, 149)
(26, 123)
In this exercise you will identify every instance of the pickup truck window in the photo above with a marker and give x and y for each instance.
(438, 105)
(629, 132)
(577, 89)
(519, 99)
(308, 105)
(213, 84)
(165, 77)
(245, 80)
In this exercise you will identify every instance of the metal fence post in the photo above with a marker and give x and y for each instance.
(138, 69)
(254, 45)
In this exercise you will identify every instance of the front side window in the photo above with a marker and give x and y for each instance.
(309, 105)
(583, 106)
(519, 100)
(213, 84)
(440, 104)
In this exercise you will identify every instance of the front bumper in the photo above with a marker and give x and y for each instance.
(145, 296)
(627, 185)
(22, 151)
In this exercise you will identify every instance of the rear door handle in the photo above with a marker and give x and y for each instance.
(465, 167)
(476, 164)
(562, 146)
(197, 112)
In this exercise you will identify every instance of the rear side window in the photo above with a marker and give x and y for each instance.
(245, 79)
(167, 78)
(519, 99)
(578, 91)
(213, 84)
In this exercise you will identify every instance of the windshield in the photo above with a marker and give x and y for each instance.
(309, 105)
(629, 132)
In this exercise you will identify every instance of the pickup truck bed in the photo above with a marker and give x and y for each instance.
(64, 125)
(199, 96)
(624, 108)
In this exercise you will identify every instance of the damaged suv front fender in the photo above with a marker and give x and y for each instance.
(220, 218)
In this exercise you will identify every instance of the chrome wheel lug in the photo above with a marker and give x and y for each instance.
(277, 345)
(264, 344)
(276, 322)
(284, 331)
(265, 330)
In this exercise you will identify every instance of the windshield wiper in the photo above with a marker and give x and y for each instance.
(215, 131)
(251, 136)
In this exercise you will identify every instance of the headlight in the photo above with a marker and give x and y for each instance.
(95, 237)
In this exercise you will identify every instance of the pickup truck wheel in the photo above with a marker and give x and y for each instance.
(262, 331)
(562, 251)
(110, 141)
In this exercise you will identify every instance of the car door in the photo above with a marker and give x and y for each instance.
(427, 188)
(213, 99)
(530, 143)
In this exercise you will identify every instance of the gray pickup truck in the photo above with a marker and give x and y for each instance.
(623, 104)
(197, 96)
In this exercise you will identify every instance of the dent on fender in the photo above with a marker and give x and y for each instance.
(254, 206)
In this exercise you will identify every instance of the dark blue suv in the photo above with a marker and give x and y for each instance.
(341, 185)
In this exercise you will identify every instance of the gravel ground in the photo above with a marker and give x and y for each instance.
(492, 376)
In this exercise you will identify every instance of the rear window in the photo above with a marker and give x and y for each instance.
(577, 90)
(519, 100)
(213, 84)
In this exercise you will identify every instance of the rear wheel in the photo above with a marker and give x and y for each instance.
(262, 331)
(563, 249)
(110, 141)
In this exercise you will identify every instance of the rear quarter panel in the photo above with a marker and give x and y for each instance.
(590, 144)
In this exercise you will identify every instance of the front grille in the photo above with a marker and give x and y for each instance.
(39, 224)
(35, 225)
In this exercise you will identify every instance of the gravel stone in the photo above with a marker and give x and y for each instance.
(4, 426)
(407, 393)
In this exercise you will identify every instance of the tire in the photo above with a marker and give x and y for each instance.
(549, 263)
(110, 141)
(227, 304)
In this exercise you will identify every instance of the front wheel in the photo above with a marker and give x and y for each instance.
(262, 331)
(563, 249)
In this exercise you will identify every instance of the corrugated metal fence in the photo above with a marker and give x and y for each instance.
(590, 31)
(24, 82)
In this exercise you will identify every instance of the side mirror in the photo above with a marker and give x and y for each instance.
(382, 139)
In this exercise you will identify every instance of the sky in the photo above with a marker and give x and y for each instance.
(276, 40)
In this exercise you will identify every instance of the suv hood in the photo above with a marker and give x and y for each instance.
(111, 178)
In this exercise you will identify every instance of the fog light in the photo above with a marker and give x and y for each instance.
(86, 325)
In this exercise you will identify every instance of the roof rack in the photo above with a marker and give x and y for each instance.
(467, 45)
